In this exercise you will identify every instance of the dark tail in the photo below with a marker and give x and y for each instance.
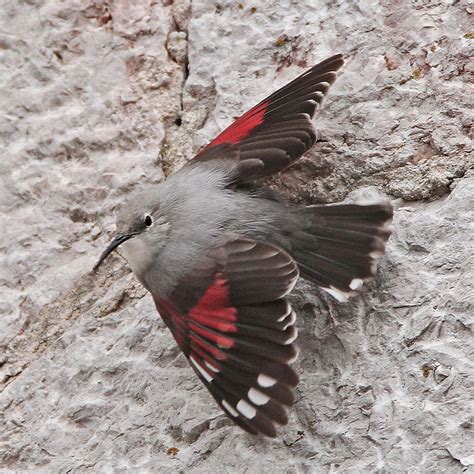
(337, 246)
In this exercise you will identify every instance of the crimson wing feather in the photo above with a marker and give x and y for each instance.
(231, 320)
(279, 129)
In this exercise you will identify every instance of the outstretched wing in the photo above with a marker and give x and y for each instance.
(278, 130)
(231, 320)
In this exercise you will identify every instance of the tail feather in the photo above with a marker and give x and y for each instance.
(337, 247)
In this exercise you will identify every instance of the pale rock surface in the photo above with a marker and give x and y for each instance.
(101, 98)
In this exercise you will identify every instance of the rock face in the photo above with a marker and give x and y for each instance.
(101, 98)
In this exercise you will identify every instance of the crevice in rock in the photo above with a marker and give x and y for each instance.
(6, 379)
(172, 152)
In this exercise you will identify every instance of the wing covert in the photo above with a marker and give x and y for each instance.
(231, 320)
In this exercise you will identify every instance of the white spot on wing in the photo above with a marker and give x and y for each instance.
(229, 408)
(291, 284)
(335, 293)
(211, 367)
(291, 338)
(356, 284)
(266, 381)
(376, 253)
(246, 409)
(200, 369)
(287, 312)
(257, 397)
(291, 320)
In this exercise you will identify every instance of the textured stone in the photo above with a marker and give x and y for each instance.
(101, 98)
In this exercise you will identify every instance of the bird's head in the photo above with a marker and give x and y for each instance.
(142, 230)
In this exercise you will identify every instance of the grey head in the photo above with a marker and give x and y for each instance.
(192, 203)
(142, 230)
(165, 230)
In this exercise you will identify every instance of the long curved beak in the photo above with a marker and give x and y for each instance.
(119, 239)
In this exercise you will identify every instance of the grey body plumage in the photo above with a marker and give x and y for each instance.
(193, 211)
(219, 254)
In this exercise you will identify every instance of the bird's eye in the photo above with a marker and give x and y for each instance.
(148, 221)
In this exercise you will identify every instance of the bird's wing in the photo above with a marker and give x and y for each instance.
(230, 318)
(279, 129)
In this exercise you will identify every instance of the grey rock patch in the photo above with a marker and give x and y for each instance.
(90, 378)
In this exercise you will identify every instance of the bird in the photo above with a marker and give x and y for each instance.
(220, 252)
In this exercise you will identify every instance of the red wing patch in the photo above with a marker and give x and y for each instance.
(243, 126)
(240, 347)
(278, 130)
(213, 309)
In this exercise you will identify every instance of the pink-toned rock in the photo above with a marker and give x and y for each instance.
(101, 98)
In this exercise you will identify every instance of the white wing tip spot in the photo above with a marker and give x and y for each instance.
(246, 409)
(211, 367)
(292, 338)
(288, 310)
(291, 320)
(376, 254)
(291, 284)
(229, 408)
(257, 397)
(338, 294)
(201, 369)
(266, 381)
(356, 284)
